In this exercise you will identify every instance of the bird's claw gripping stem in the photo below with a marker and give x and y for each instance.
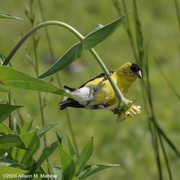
(104, 79)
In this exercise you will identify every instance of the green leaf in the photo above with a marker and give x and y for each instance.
(71, 55)
(42, 130)
(56, 171)
(5, 129)
(92, 169)
(4, 90)
(75, 178)
(71, 148)
(12, 139)
(3, 58)
(8, 16)
(100, 33)
(9, 141)
(59, 138)
(32, 143)
(9, 162)
(5, 170)
(5, 111)
(98, 26)
(67, 163)
(84, 156)
(17, 127)
(38, 173)
(11, 77)
(47, 151)
(26, 127)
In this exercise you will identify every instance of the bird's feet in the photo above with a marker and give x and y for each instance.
(106, 77)
(112, 110)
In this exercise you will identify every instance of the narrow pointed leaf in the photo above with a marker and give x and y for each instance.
(12, 139)
(40, 172)
(14, 78)
(92, 169)
(17, 127)
(32, 143)
(75, 178)
(71, 148)
(67, 164)
(9, 141)
(71, 55)
(6, 110)
(4, 90)
(42, 130)
(31, 140)
(59, 138)
(9, 162)
(5, 129)
(84, 156)
(56, 171)
(47, 151)
(98, 26)
(3, 58)
(8, 16)
(26, 127)
(101, 33)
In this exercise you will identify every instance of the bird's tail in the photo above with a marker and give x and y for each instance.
(64, 101)
(68, 102)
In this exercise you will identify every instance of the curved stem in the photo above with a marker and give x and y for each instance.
(113, 84)
(59, 81)
(35, 28)
(79, 36)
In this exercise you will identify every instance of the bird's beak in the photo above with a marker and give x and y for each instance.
(138, 74)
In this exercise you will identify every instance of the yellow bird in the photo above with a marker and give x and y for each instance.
(97, 93)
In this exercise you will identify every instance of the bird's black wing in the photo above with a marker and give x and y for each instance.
(98, 76)
(70, 103)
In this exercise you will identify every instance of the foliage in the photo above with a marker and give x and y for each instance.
(18, 148)
(8, 16)
(150, 37)
(13, 78)
(76, 168)
(141, 57)
(18, 145)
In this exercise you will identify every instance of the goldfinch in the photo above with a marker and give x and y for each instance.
(97, 93)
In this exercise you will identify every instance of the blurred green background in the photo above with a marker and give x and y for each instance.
(127, 143)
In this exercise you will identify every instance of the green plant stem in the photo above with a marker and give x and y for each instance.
(58, 79)
(11, 125)
(177, 12)
(141, 57)
(49, 42)
(113, 84)
(34, 29)
(36, 68)
(79, 36)
(165, 157)
(72, 132)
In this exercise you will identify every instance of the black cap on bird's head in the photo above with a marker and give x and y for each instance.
(136, 70)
